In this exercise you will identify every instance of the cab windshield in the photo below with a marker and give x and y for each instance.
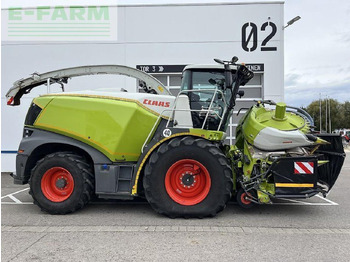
(204, 80)
(201, 86)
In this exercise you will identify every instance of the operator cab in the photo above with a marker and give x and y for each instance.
(208, 94)
(206, 88)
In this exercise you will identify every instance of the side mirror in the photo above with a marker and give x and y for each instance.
(234, 60)
(240, 93)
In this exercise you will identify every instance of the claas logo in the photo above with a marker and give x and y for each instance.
(156, 103)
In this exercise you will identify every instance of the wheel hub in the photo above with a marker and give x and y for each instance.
(187, 182)
(245, 198)
(188, 179)
(61, 183)
(57, 184)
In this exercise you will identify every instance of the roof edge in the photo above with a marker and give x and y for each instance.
(169, 4)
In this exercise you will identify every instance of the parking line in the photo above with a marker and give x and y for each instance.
(19, 191)
(17, 201)
(303, 203)
(292, 202)
(13, 203)
(329, 201)
(12, 197)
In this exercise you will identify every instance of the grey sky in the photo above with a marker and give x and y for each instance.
(317, 48)
(317, 51)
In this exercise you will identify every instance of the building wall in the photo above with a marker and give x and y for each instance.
(146, 35)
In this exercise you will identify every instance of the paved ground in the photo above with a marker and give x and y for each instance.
(310, 230)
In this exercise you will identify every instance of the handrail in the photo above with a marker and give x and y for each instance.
(215, 90)
(173, 110)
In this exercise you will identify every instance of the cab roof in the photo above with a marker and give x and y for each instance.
(207, 66)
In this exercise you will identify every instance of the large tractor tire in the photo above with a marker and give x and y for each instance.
(188, 177)
(61, 183)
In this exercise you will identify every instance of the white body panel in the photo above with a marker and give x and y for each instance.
(271, 139)
(182, 114)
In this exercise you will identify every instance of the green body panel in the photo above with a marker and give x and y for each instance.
(248, 167)
(117, 128)
(232, 152)
(255, 120)
(265, 187)
(247, 173)
(42, 101)
(259, 117)
(208, 134)
(280, 111)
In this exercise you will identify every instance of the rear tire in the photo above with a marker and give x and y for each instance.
(61, 183)
(188, 177)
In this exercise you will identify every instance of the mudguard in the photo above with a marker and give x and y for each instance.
(30, 147)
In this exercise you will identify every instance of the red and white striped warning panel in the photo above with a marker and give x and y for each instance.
(303, 167)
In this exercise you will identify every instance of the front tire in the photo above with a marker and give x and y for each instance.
(188, 177)
(61, 183)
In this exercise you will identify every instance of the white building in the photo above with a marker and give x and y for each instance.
(159, 39)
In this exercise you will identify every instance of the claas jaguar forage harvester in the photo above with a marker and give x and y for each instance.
(170, 150)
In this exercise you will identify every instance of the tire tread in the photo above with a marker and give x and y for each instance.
(199, 143)
(86, 172)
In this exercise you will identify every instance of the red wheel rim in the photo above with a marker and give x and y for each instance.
(57, 184)
(244, 199)
(187, 182)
